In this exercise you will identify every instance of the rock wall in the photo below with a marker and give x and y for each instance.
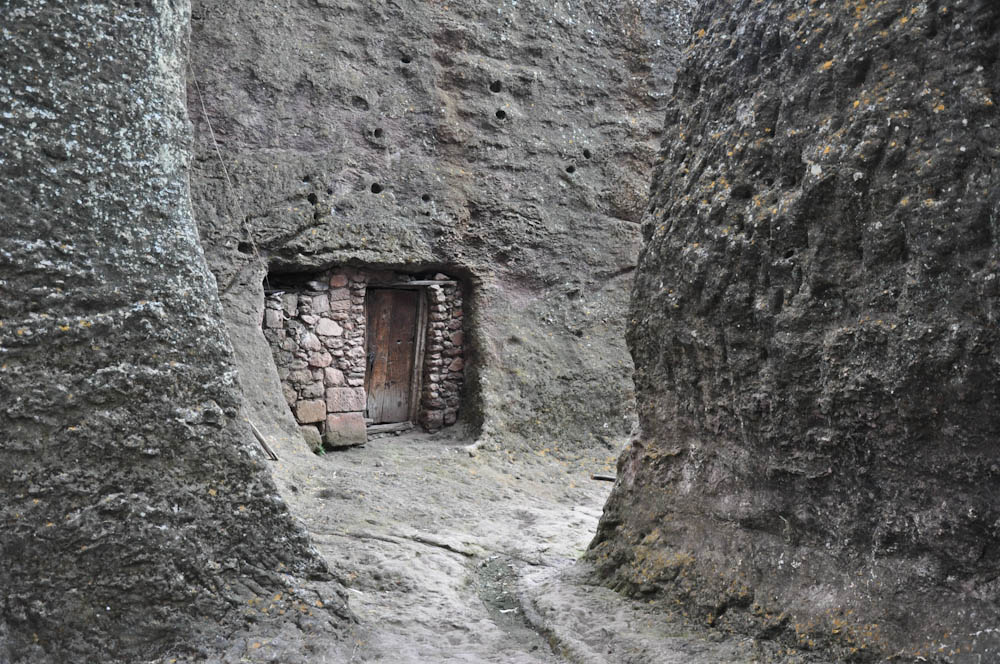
(138, 519)
(814, 327)
(317, 333)
(506, 143)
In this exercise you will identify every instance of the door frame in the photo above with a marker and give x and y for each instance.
(419, 343)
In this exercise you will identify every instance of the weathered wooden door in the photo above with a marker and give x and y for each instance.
(392, 347)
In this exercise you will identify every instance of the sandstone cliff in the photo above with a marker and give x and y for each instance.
(814, 327)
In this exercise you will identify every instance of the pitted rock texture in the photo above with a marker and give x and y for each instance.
(137, 517)
(506, 143)
(814, 328)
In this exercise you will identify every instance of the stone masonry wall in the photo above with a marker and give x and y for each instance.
(317, 336)
(444, 363)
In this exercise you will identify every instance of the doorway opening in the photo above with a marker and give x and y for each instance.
(360, 351)
(394, 321)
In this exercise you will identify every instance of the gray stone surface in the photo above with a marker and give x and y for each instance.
(814, 327)
(313, 439)
(316, 105)
(137, 519)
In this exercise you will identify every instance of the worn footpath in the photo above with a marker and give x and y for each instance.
(450, 557)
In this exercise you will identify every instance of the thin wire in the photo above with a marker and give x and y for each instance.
(249, 232)
(229, 182)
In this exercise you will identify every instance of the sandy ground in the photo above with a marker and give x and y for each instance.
(451, 557)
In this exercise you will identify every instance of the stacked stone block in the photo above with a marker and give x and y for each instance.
(317, 336)
(444, 362)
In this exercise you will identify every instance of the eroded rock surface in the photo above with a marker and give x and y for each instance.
(814, 326)
(505, 143)
(137, 519)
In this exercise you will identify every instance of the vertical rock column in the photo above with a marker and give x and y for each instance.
(137, 512)
(815, 332)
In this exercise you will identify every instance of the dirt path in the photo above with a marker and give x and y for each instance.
(458, 558)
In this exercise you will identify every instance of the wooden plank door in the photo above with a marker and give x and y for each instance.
(392, 342)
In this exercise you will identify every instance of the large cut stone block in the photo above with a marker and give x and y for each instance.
(345, 399)
(313, 410)
(345, 430)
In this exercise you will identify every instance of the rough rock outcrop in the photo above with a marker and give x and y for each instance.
(508, 144)
(814, 327)
(137, 517)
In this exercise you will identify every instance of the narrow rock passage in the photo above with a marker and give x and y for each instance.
(444, 553)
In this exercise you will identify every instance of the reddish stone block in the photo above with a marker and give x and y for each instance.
(345, 430)
(307, 412)
(320, 359)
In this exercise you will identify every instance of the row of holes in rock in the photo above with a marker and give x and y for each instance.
(378, 187)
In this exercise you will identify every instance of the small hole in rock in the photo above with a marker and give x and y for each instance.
(501, 114)
(406, 59)
(742, 192)
(376, 188)
(244, 248)
(586, 154)
(378, 132)
(306, 179)
(789, 254)
(329, 191)
(312, 198)
(426, 198)
(496, 86)
(571, 169)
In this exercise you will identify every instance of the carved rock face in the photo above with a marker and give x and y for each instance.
(814, 327)
(509, 145)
